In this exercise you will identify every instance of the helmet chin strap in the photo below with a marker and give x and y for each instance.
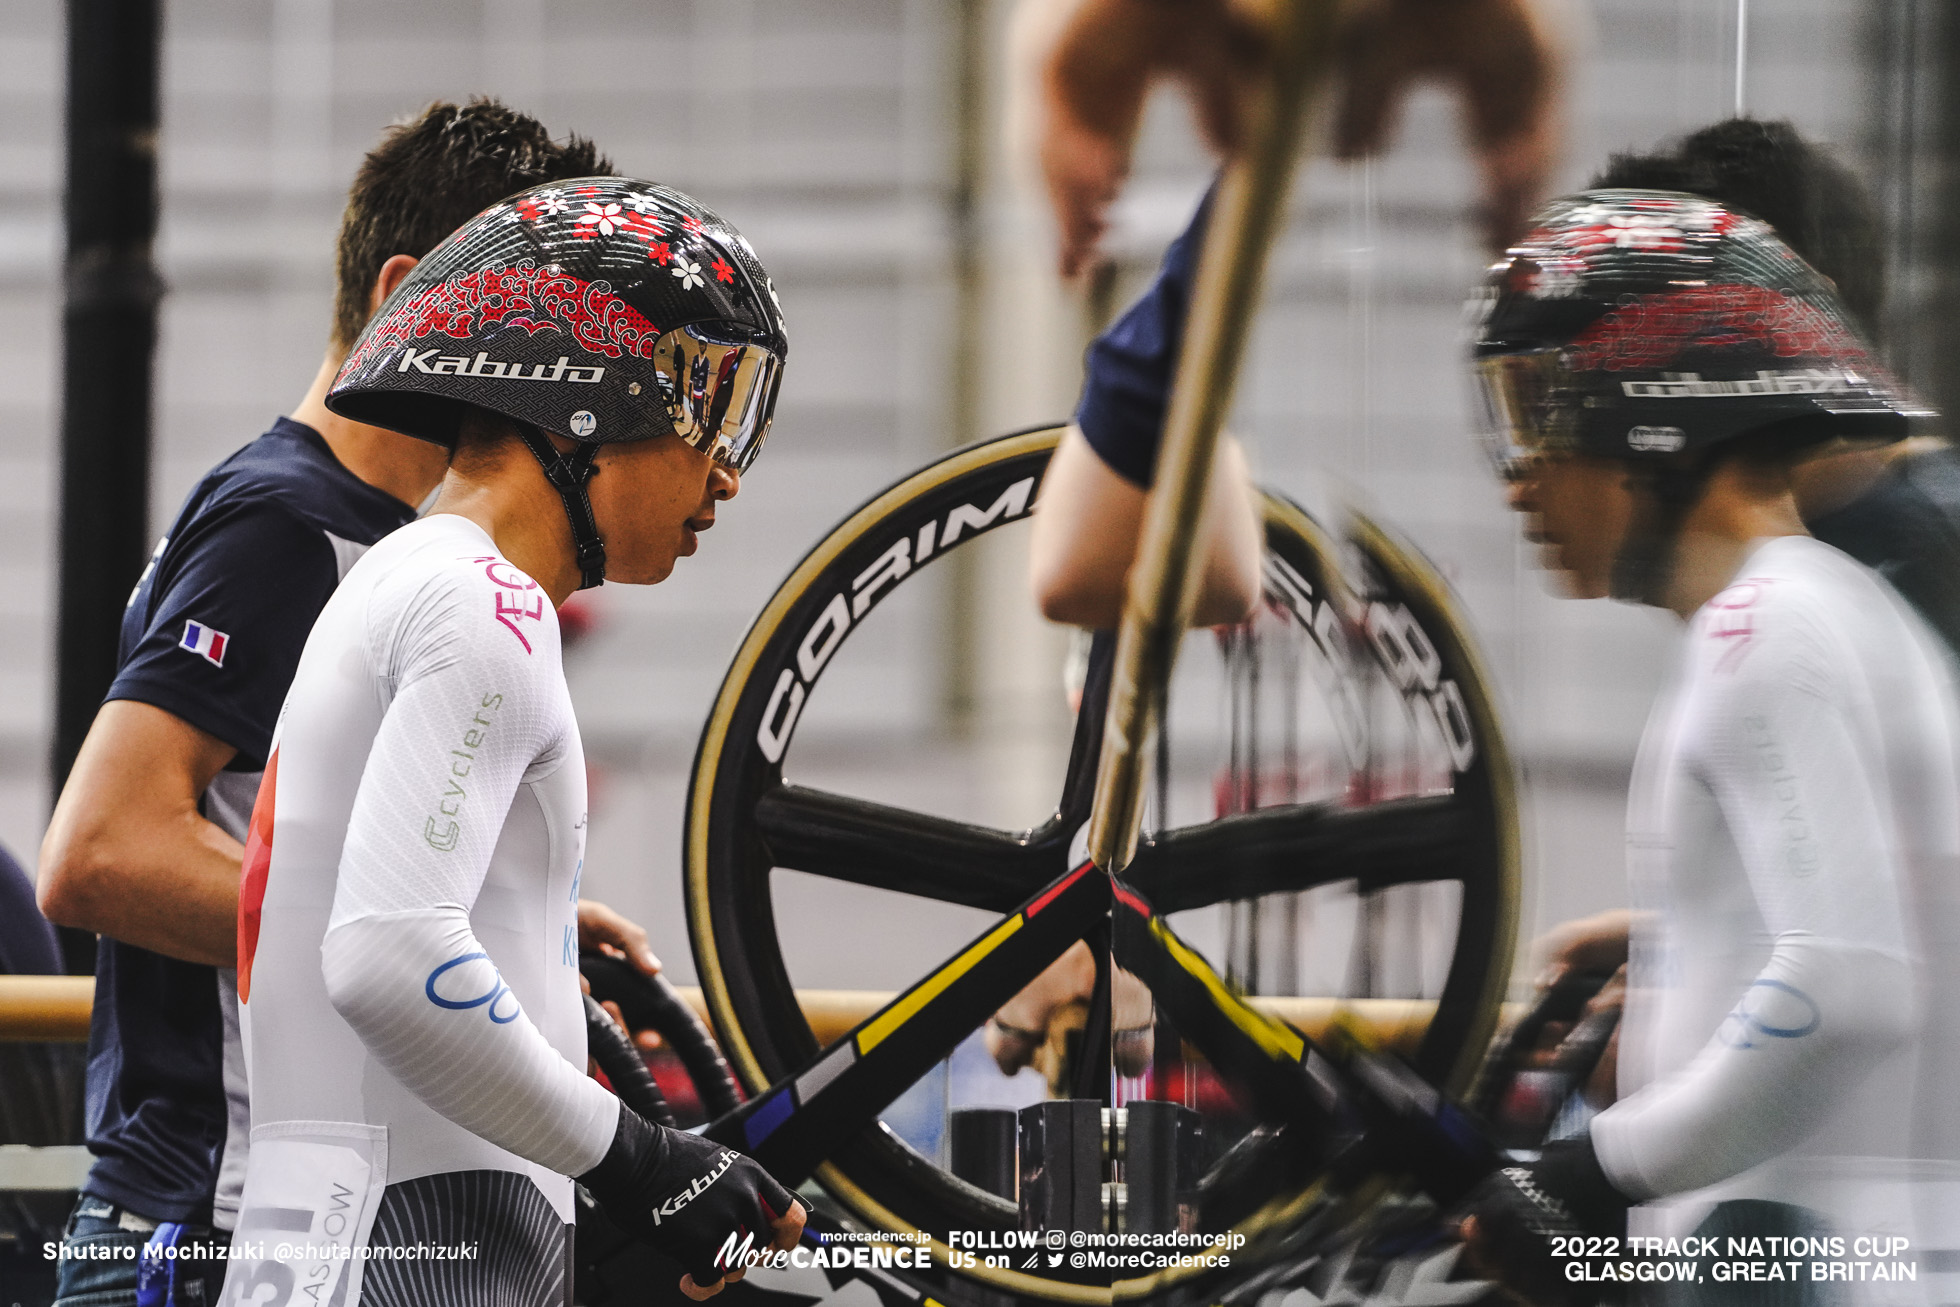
(568, 473)
(1645, 564)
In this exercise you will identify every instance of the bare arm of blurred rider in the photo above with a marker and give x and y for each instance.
(1080, 555)
(1091, 507)
(1595, 943)
(1497, 55)
(1095, 80)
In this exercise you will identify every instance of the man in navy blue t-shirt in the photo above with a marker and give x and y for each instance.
(145, 843)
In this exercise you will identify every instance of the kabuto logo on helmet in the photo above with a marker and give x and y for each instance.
(652, 304)
(429, 362)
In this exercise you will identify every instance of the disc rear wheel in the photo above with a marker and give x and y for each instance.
(1386, 621)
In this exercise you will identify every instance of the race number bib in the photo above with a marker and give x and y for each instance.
(311, 1190)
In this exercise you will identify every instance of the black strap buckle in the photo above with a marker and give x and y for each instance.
(568, 474)
(592, 557)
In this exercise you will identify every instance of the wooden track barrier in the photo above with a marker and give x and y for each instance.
(55, 1009)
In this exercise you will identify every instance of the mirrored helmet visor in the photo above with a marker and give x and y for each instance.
(1523, 412)
(720, 395)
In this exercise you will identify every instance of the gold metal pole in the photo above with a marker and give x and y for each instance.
(1163, 586)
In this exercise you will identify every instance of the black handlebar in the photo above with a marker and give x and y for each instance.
(612, 1048)
(651, 1003)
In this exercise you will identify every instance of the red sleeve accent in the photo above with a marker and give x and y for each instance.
(258, 861)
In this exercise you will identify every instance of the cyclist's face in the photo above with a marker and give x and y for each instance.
(1579, 508)
(652, 499)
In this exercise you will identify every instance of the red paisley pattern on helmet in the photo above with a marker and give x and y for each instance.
(1656, 330)
(520, 296)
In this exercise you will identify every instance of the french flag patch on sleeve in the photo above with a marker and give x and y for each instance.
(201, 639)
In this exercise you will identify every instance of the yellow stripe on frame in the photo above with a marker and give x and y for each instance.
(906, 1008)
(1275, 1039)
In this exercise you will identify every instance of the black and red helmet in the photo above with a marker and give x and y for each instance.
(604, 309)
(1640, 324)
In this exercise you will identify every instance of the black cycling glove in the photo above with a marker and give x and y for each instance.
(1521, 1210)
(685, 1195)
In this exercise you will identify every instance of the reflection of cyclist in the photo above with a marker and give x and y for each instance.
(697, 386)
(1895, 508)
(144, 843)
(1656, 366)
(408, 958)
(724, 393)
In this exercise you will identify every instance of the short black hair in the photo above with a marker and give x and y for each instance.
(1768, 170)
(428, 176)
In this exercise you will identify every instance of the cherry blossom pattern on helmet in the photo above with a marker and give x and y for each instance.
(605, 309)
(1653, 328)
(1645, 324)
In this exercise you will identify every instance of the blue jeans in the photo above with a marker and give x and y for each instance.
(108, 1279)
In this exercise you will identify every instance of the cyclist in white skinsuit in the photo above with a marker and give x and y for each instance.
(1793, 803)
(408, 945)
(428, 795)
(1656, 365)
